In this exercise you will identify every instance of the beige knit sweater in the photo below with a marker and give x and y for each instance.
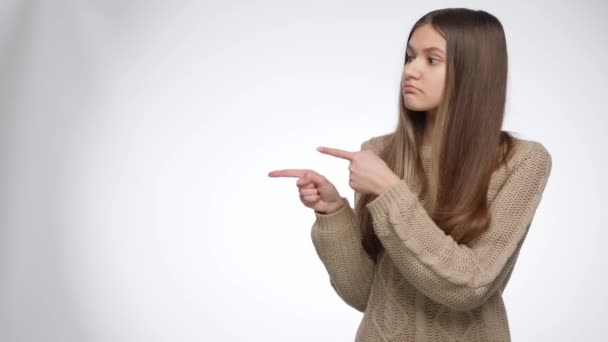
(427, 287)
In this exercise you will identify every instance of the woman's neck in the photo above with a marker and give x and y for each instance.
(427, 136)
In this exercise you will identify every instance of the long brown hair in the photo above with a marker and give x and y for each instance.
(467, 129)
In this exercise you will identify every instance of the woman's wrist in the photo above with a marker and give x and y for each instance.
(339, 204)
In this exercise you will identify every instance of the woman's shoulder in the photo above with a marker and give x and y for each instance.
(376, 143)
(530, 151)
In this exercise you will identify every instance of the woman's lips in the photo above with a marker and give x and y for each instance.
(410, 89)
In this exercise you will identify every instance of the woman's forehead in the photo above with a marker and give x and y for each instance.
(426, 38)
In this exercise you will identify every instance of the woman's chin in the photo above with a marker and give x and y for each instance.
(412, 106)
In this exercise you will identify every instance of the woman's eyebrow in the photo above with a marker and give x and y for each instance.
(432, 48)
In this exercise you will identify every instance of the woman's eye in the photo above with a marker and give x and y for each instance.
(408, 58)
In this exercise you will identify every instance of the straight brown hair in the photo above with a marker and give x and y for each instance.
(468, 129)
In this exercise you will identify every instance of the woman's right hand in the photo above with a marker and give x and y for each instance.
(316, 191)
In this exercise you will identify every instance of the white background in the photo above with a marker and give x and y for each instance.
(136, 139)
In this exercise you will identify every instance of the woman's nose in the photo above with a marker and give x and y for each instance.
(411, 70)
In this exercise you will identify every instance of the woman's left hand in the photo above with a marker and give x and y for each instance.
(368, 172)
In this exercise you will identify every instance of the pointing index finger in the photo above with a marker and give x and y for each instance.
(336, 152)
(298, 173)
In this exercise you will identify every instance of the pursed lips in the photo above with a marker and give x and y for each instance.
(410, 87)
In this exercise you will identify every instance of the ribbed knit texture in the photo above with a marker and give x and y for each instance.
(427, 287)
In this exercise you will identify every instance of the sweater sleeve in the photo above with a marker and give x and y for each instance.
(456, 275)
(337, 241)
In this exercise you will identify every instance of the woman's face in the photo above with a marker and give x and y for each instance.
(424, 69)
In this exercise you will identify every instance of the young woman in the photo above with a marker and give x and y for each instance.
(443, 203)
